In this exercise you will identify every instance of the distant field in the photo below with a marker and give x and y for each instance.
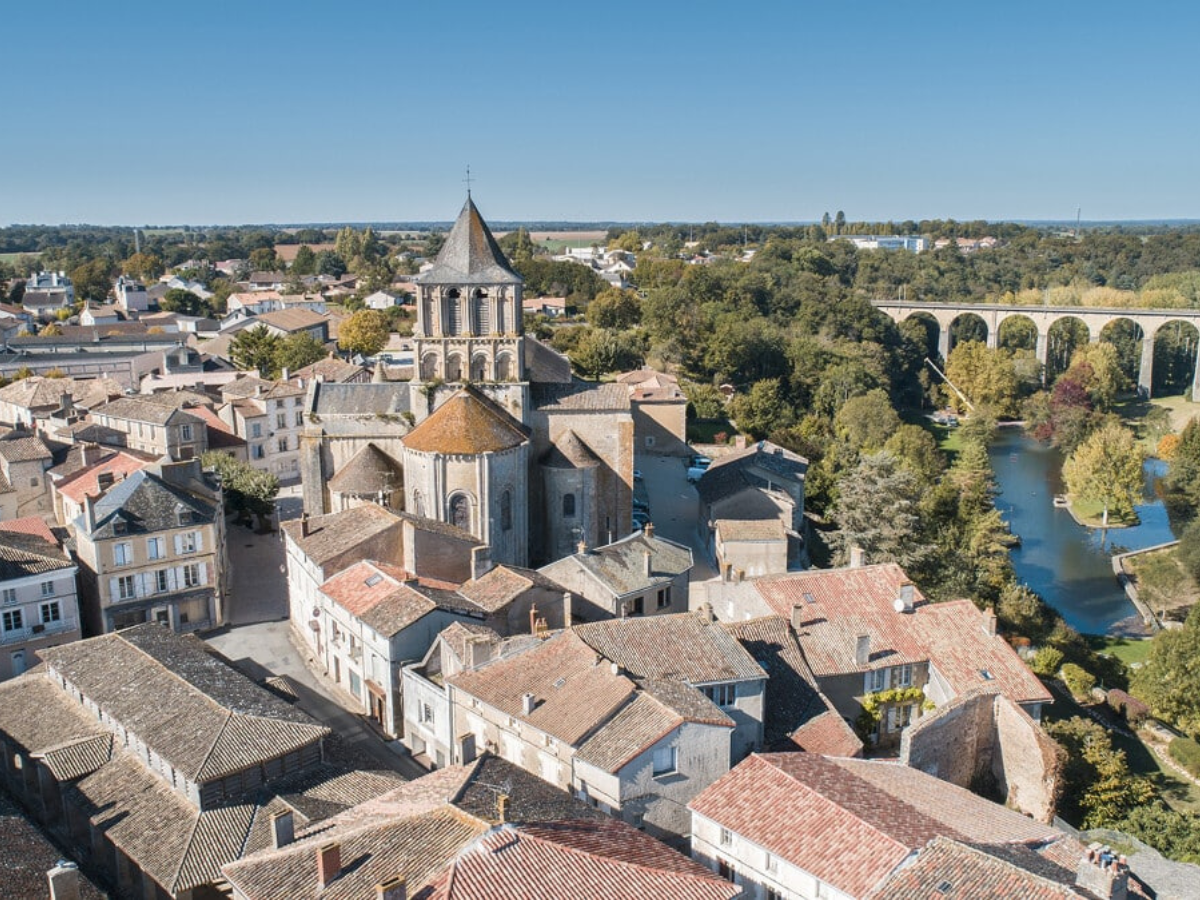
(13, 257)
(557, 241)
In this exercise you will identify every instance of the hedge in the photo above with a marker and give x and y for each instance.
(1186, 752)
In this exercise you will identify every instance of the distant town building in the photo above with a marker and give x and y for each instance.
(911, 243)
(131, 295)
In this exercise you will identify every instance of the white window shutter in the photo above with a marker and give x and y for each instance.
(114, 589)
(199, 541)
(143, 585)
(178, 544)
(204, 573)
(173, 578)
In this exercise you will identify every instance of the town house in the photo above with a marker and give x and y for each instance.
(269, 417)
(152, 549)
(154, 428)
(39, 606)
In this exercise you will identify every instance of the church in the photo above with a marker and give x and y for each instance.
(493, 436)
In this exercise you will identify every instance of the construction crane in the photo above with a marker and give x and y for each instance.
(961, 396)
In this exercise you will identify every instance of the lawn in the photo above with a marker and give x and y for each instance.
(558, 245)
(13, 257)
(1130, 651)
(1091, 514)
(704, 431)
(949, 439)
(1161, 581)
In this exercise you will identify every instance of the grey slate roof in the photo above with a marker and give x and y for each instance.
(544, 364)
(621, 566)
(580, 396)
(144, 504)
(370, 471)
(137, 409)
(681, 647)
(361, 399)
(22, 555)
(470, 255)
(730, 474)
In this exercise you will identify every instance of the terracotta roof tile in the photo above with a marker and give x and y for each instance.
(466, 424)
(337, 533)
(86, 481)
(502, 584)
(31, 525)
(369, 471)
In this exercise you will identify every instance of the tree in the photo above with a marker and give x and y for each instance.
(263, 259)
(297, 351)
(761, 409)
(985, 375)
(92, 280)
(878, 509)
(1098, 788)
(305, 262)
(866, 422)
(917, 451)
(1106, 469)
(186, 303)
(365, 332)
(143, 266)
(1103, 378)
(1169, 680)
(329, 263)
(602, 350)
(255, 348)
(248, 491)
(614, 308)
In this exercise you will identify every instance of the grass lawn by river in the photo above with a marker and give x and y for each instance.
(1090, 514)
(1130, 651)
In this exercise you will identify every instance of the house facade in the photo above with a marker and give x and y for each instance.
(155, 428)
(269, 417)
(39, 604)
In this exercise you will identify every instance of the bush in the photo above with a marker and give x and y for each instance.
(1186, 752)
(1078, 680)
(1047, 661)
(1134, 710)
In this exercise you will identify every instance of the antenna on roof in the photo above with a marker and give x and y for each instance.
(468, 181)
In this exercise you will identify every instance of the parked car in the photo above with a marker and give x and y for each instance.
(640, 505)
(640, 520)
(637, 474)
(695, 473)
(699, 462)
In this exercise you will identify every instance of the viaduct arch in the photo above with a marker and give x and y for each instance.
(1043, 317)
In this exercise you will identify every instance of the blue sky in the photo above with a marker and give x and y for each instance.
(256, 111)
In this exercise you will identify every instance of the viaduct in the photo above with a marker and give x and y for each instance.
(1043, 317)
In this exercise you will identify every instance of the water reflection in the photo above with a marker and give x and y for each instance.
(1068, 565)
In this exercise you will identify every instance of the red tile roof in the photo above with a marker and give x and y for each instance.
(33, 525)
(595, 860)
(466, 424)
(119, 465)
(838, 605)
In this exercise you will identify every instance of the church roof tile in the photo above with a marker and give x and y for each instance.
(466, 424)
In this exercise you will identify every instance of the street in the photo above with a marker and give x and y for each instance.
(674, 510)
(258, 639)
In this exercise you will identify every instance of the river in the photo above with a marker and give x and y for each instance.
(1068, 565)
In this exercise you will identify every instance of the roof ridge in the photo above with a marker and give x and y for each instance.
(187, 848)
(213, 746)
(614, 824)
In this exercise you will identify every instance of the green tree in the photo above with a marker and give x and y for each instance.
(248, 491)
(878, 509)
(986, 376)
(1107, 469)
(866, 422)
(1098, 788)
(761, 409)
(255, 348)
(264, 259)
(92, 280)
(364, 332)
(305, 262)
(186, 303)
(614, 308)
(297, 351)
(1097, 367)
(1169, 681)
(329, 263)
(603, 350)
(917, 451)
(143, 265)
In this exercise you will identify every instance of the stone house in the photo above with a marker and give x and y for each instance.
(659, 409)
(152, 549)
(155, 428)
(748, 548)
(766, 827)
(760, 483)
(39, 604)
(866, 630)
(23, 465)
(269, 417)
(640, 575)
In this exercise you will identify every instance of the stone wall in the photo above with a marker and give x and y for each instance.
(986, 742)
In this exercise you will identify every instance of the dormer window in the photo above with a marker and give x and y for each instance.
(120, 526)
(183, 515)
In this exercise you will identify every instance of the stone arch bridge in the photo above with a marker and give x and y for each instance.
(1043, 317)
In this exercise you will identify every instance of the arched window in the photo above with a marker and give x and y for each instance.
(460, 512)
(482, 311)
(568, 506)
(479, 367)
(506, 511)
(429, 364)
(455, 311)
(502, 317)
(504, 368)
(454, 368)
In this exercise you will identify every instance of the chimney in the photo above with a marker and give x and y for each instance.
(329, 863)
(89, 512)
(648, 557)
(502, 808)
(283, 829)
(738, 574)
(527, 703)
(649, 529)
(566, 609)
(989, 623)
(90, 454)
(64, 881)
(862, 650)
(1103, 873)
(392, 889)
(739, 442)
(581, 547)
(304, 524)
(904, 600)
(533, 618)
(286, 374)
(258, 390)
(481, 561)
(706, 613)
(856, 557)
(797, 616)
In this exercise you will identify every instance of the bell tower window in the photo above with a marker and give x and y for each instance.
(483, 312)
(455, 312)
